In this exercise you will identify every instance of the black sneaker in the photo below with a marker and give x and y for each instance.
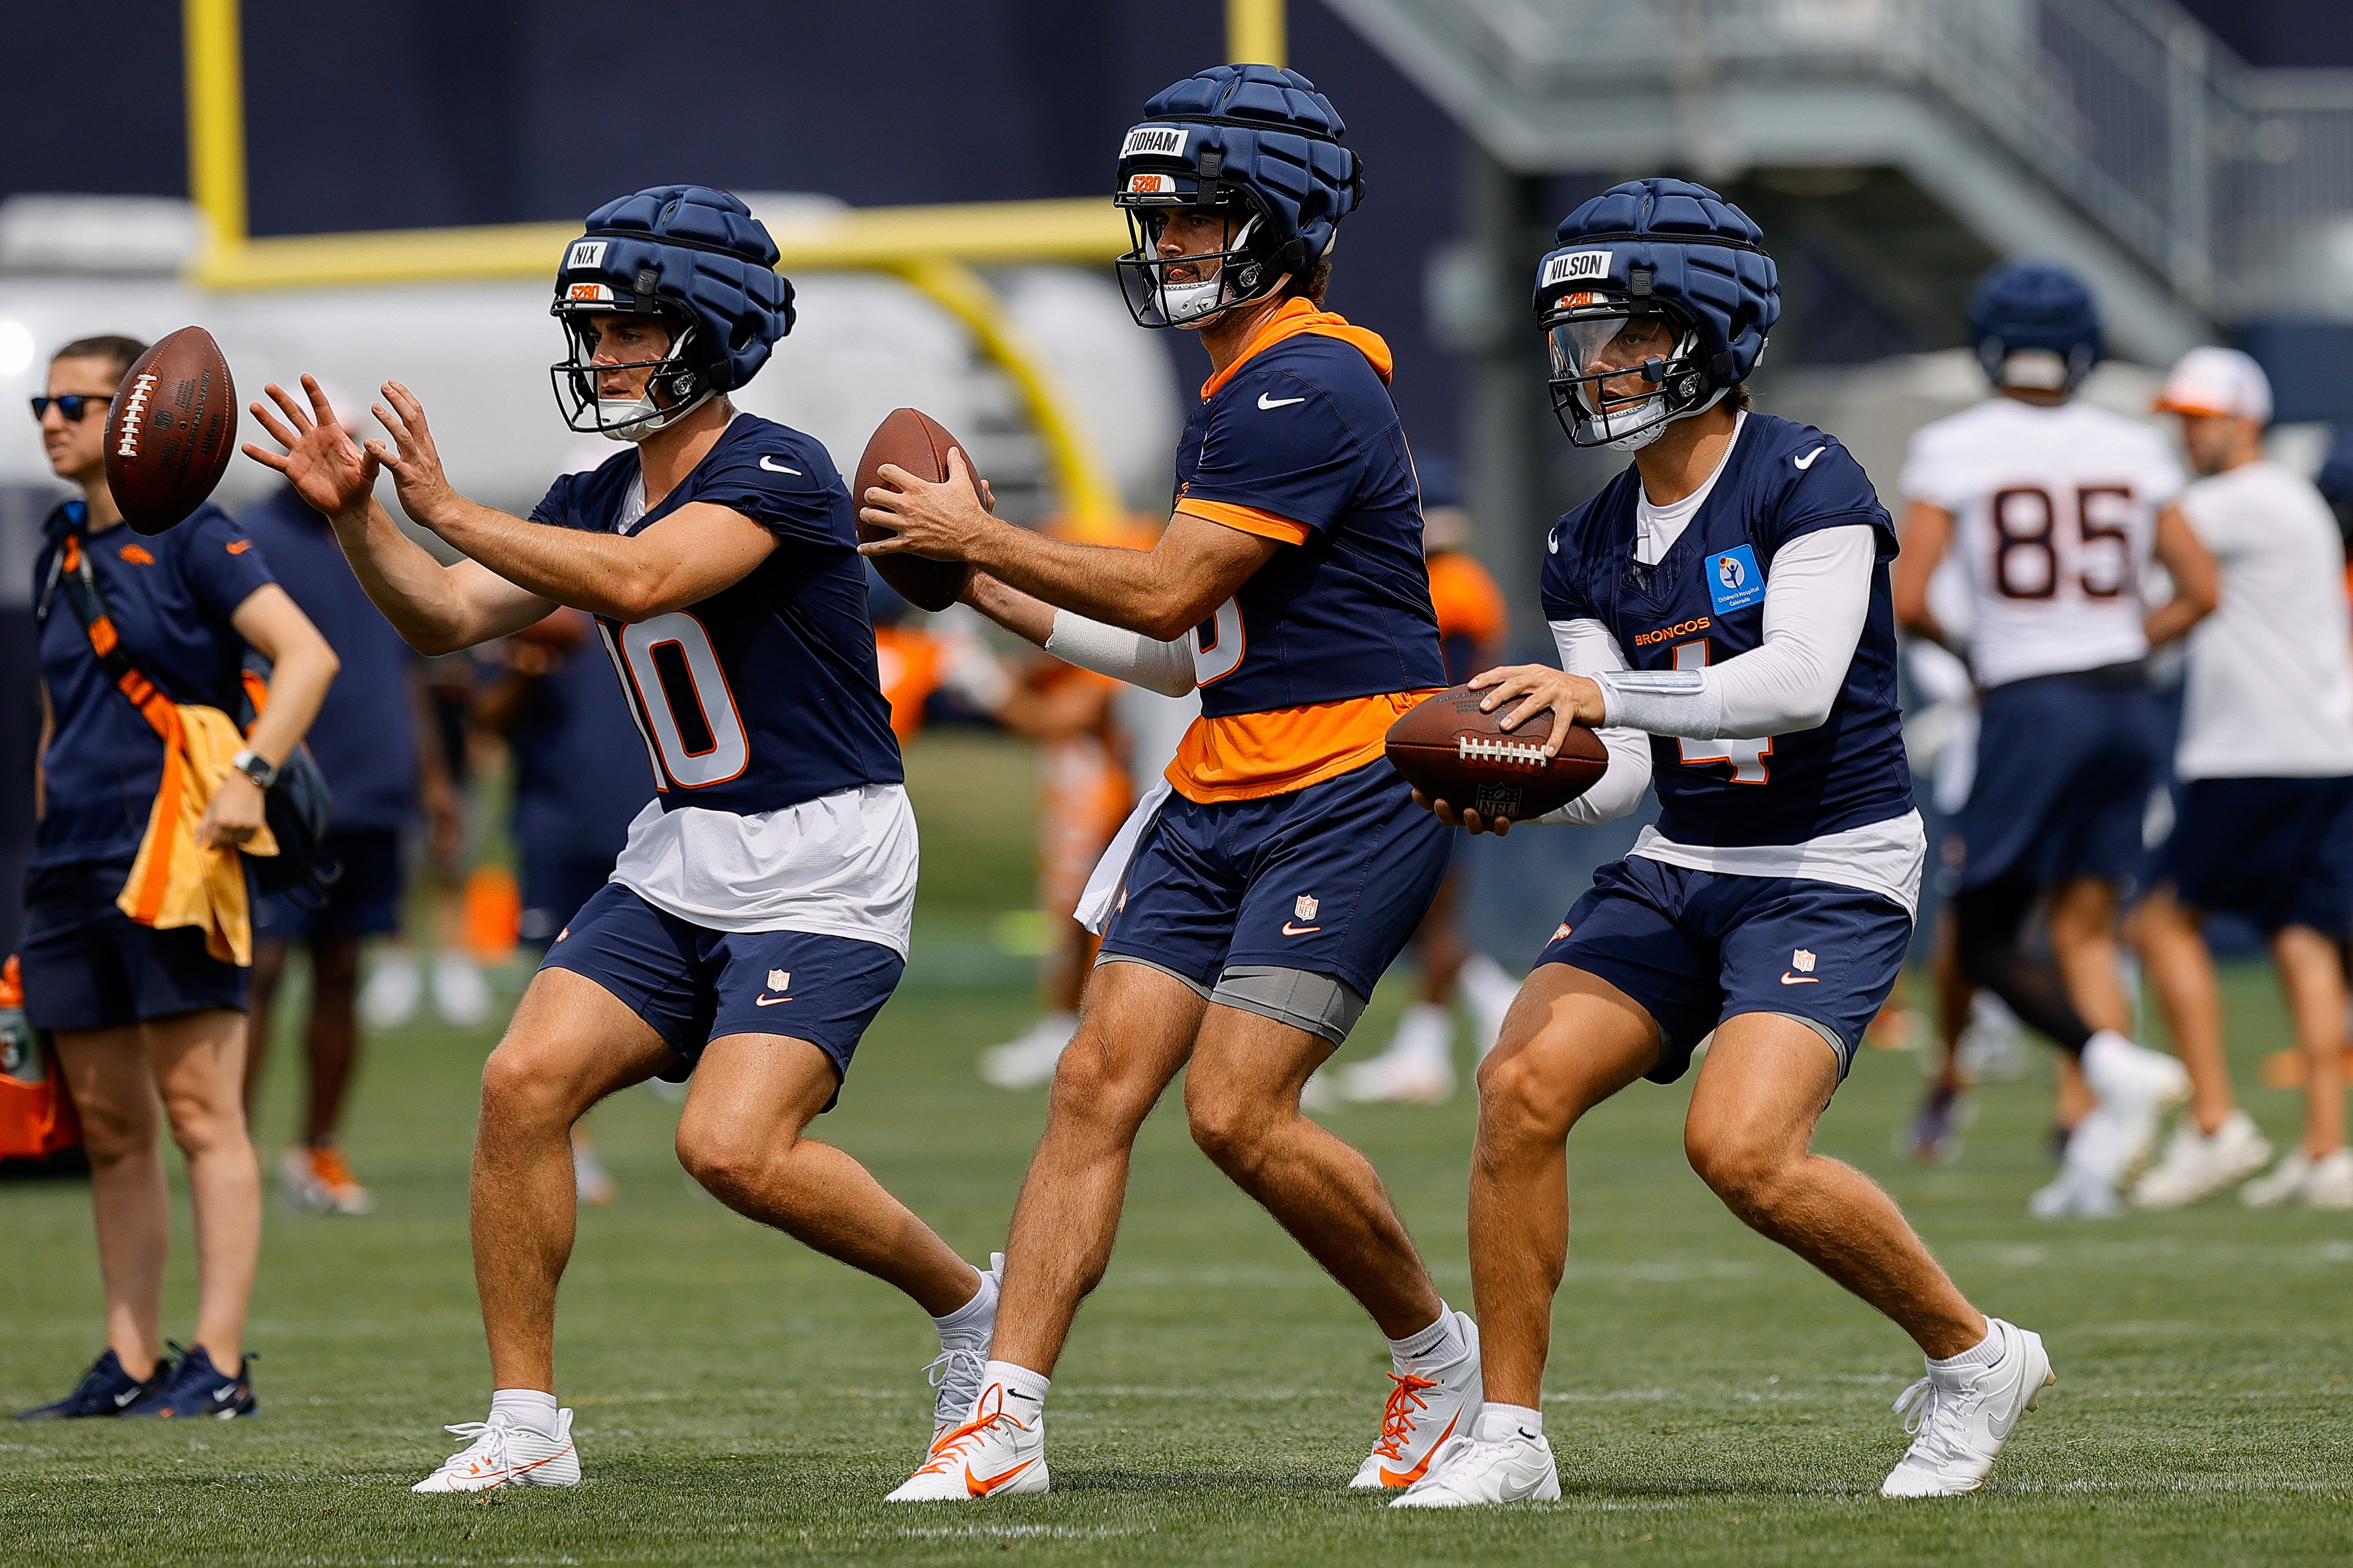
(104, 1390)
(198, 1388)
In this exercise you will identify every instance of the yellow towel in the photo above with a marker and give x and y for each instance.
(175, 881)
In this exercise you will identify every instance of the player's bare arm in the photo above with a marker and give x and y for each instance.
(1927, 534)
(2197, 585)
(301, 667)
(1161, 593)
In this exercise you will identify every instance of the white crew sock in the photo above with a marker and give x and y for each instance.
(524, 1408)
(1434, 1346)
(1986, 1352)
(983, 1302)
(1498, 1422)
(2104, 1054)
(1025, 1391)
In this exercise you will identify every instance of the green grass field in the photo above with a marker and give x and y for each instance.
(741, 1400)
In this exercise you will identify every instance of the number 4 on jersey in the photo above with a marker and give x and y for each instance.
(1746, 757)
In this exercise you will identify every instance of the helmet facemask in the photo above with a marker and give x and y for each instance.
(673, 388)
(1193, 290)
(1623, 370)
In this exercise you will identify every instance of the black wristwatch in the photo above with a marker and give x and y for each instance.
(255, 766)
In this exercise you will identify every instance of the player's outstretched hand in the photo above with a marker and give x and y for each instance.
(411, 457)
(939, 521)
(1466, 818)
(1572, 697)
(325, 465)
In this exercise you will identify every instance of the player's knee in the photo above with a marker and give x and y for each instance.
(1741, 1166)
(1094, 1088)
(522, 1084)
(200, 1124)
(113, 1133)
(1521, 1098)
(722, 1160)
(1230, 1127)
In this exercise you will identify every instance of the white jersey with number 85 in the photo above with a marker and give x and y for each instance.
(2054, 514)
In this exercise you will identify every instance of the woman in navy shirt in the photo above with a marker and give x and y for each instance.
(146, 1019)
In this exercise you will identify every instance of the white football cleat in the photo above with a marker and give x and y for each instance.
(1422, 1416)
(1961, 1418)
(2136, 1087)
(388, 1000)
(1027, 1061)
(504, 1453)
(2197, 1165)
(995, 1454)
(1417, 1068)
(957, 1369)
(1501, 1461)
(2324, 1183)
(2088, 1173)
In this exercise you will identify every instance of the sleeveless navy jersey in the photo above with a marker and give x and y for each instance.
(766, 694)
(1703, 602)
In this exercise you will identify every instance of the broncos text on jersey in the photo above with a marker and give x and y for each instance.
(1304, 668)
(1703, 602)
(766, 694)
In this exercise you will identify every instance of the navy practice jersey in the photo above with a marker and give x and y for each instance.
(766, 694)
(170, 596)
(1705, 603)
(1298, 441)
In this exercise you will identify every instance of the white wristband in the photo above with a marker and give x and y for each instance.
(1662, 702)
(1163, 666)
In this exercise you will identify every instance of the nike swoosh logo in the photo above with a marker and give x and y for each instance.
(122, 1401)
(1790, 979)
(1808, 461)
(981, 1487)
(1290, 930)
(1552, 542)
(1266, 402)
(775, 468)
(1407, 1477)
(223, 1395)
(768, 1000)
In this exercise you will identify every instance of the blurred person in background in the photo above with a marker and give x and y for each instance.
(2055, 508)
(369, 752)
(396, 981)
(580, 778)
(1418, 1066)
(2266, 828)
(146, 1005)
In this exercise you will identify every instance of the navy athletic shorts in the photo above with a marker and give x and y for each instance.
(1694, 948)
(364, 901)
(1330, 880)
(2278, 851)
(87, 965)
(2065, 766)
(695, 985)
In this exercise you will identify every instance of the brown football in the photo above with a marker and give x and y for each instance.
(919, 444)
(170, 430)
(1449, 750)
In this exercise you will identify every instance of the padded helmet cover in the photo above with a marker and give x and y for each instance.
(1679, 245)
(690, 250)
(2033, 305)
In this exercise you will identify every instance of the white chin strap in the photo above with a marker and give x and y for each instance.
(633, 419)
(1634, 440)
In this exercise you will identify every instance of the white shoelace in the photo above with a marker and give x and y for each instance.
(1923, 1404)
(490, 1437)
(942, 1370)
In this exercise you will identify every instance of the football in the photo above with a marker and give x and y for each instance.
(170, 430)
(919, 444)
(1449, 750)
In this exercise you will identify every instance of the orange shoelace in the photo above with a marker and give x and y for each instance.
(950, 1446)
(1402, 1414)
(328, 1167)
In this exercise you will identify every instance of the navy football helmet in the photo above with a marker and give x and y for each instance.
(2034, 325)
(1259, 147)
(697, 260)
(1661, 281)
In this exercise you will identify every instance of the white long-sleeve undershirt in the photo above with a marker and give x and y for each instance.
(1163, 666)
(1816, 597)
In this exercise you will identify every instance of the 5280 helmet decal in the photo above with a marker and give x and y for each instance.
(1257, 149)
(695, 259)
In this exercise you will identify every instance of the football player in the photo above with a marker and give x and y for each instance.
(758, 919)
(2266, 828)
(1257, 894)
(2055, 508)
(1722, 607)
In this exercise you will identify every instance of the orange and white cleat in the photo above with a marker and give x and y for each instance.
(1422, 1416)
(314, 1176)
(995, 1454)
(504, 1453)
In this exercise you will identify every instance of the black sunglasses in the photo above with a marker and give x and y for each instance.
(72, 405)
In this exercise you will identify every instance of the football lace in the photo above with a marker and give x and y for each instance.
(1513, 754)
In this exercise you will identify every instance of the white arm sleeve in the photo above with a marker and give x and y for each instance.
(1587, 648)
(1815, 602)
(1163, 666)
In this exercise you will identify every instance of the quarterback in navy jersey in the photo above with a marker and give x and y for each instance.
(757, 916)
(1723, 618)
